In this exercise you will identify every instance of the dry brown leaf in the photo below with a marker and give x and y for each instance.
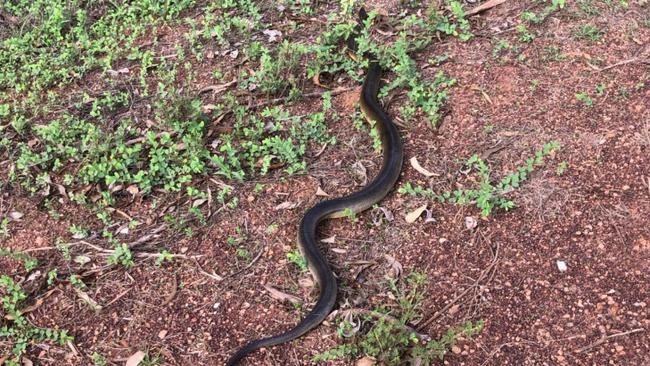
(15, 215)
(416, 165)
(366, 361)
(286, 206)
(135, 359)
(470, 223)
(88, 300)
(360, 171)
(306, 283)
(279, 295)
(162, 334)
(415, 214)
(330, 240)
(485, 6)
(395, 266)
(133, 189)
(321, 192)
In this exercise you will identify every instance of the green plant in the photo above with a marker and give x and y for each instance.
(98, 359)
(585, 98)
(52, 276)
(350, 214)
(487, 196)
(525, 34)
(29, 262)
(20, 331)
(296, 258)
(77, 282)
(499, 48)
(387, 337)
(164, 256)
(78, 232)
(561, 168)
(4, 228)
(121, 255)
(588, 32)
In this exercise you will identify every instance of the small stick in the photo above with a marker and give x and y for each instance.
(483, 275)
(259, 255)
(606, 338)
(485, 6)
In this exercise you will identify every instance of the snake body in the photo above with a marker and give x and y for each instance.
(335, 208)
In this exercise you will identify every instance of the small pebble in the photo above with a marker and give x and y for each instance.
(561, 266)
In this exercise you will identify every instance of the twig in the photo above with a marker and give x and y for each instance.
(212, 275)
(118, 297)
(485, 6)
(147, 237)
(625, 62)
(483, 275)
(606, 338)
(259, 255)
(217, 88)
(639, 56)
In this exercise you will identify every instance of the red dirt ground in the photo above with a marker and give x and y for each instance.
(594, 217)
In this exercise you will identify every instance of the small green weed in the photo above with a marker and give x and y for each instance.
(584, 98)
(296, 258)
(350, 214)
(588, 32)
(19, 330)
(387, 338)
(29, 262)
(4, 228)
(98, 359)
(487, 196)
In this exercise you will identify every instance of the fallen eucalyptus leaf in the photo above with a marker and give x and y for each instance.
(366, 361)
(279, 295)
(199, 202)
(15, 215)
(272, 34)
(320, 192)
(395, 266)
(136, 359)
(470, 223)
(415, 214)
(330, 240)
(285, 206)
(360, 171)
(81, 259)
(88, 300)
(416, 165)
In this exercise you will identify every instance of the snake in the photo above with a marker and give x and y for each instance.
(356, 202)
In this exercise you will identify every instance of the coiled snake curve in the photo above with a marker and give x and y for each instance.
(357, 202)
